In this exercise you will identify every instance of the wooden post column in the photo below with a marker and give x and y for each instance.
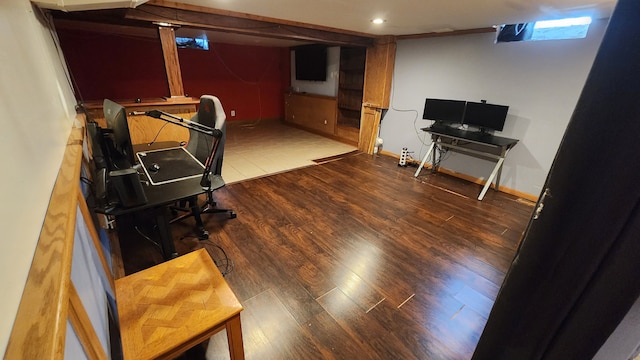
(171, 62)
(377, 89)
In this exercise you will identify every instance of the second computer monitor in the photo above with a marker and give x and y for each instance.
(485, 116)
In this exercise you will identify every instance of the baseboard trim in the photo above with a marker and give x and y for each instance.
(504, 189)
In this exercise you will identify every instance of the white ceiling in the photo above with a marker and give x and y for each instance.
(405, 17)
(402, 17)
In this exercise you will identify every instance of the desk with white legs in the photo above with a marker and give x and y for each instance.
(473, 143)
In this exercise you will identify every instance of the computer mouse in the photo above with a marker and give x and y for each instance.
(154, 167)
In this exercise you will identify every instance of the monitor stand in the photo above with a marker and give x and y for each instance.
(441, 125)
(484, 132)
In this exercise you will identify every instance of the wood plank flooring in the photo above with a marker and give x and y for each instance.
(356, 259)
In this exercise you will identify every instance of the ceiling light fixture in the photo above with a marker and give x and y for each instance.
(378, 21)
(165, 24)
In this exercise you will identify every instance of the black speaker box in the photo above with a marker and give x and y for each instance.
(127, 187)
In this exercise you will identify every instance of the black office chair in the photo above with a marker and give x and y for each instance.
(210, 113)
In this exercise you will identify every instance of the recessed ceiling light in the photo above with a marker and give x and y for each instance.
(378, 21)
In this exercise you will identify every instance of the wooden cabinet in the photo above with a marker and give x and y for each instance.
(364, 86)
(313, 112)
(379, 72)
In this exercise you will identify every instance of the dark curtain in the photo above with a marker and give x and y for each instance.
(577, 272)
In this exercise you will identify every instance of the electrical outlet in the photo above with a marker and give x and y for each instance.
(233, 113)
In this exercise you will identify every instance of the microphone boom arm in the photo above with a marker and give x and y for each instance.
(173, 119)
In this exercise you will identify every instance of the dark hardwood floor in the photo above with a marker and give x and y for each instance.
(356, 259)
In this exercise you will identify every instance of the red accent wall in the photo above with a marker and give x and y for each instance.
(248, 79)
(114, 66)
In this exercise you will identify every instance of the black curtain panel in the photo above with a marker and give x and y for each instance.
(577, 272)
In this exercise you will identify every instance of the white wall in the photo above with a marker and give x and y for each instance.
(36, 116)
(327, 88)
(540, 81)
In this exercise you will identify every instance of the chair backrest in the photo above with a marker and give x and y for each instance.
(210, 113)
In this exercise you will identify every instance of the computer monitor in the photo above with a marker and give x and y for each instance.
(116, 117)
(100, 162)
(94, 133)
(485, 116)
(443, 111)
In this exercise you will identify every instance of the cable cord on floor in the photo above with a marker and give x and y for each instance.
(147, 237)
(225, 265)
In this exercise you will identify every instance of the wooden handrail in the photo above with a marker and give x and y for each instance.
(40, 326)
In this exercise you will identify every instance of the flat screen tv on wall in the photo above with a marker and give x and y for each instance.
(311, 62)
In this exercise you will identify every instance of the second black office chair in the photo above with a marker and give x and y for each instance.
(210, 113)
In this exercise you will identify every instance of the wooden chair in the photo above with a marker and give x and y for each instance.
(170, 307)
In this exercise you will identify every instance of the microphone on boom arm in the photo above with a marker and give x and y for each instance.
(154, 113)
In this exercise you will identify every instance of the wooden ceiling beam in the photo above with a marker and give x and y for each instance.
(171, 61)
(246, 26)
(447, 33)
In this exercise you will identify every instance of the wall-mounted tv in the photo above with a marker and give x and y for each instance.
(311, 62)
(485, 116)
(444, 111)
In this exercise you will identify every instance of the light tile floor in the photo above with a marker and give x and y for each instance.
(269, 146)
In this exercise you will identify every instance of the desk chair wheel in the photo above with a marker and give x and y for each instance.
(203, 234)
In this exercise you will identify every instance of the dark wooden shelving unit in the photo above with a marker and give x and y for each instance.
(350, 87)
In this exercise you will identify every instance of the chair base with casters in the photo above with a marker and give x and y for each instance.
(210, 207)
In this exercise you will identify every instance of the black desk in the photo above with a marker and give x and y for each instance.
(182, 183)
(473, 143)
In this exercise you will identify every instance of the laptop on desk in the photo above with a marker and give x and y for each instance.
(169, 165)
